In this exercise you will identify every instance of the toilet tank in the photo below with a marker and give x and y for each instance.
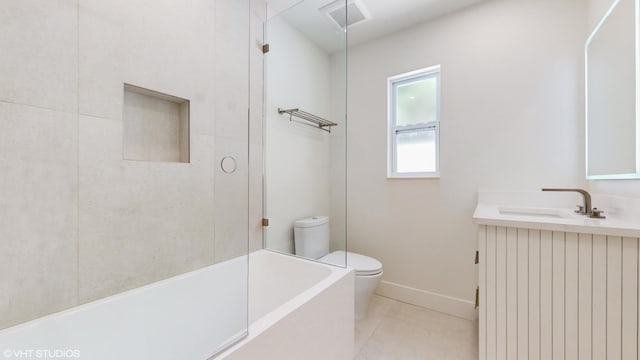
(311, 237)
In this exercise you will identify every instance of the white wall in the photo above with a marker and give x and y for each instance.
(596, 10)
(338, 171)
(297, 156)
(512, 100)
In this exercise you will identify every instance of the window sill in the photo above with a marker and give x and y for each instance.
(413, 176)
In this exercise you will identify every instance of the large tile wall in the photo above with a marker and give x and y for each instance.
(144, 221)
(38, 158)
(40, 53)
(78, 222)
(38, 211)
(231, 190)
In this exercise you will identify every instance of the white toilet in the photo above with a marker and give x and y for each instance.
(312, 241)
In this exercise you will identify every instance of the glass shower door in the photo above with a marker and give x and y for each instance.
(124, 157)
(305, 124)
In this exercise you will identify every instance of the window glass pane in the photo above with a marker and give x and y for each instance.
(416, 101)
(416, 151)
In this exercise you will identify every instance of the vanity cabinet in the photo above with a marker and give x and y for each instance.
(548, 294)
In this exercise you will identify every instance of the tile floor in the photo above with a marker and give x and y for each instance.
(393, 330)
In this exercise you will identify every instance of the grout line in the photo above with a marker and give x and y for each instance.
(74, 112)
(385, 315)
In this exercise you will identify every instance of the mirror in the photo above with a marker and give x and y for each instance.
(305, 130)
(612, 128)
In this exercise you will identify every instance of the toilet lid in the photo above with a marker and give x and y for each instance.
(363, 265)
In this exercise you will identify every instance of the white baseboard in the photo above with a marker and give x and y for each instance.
(438, 302)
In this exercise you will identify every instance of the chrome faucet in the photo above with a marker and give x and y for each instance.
(585, 208)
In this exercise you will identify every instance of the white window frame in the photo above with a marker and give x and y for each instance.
(394, 130)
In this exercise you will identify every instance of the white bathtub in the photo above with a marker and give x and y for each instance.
(299, 309)
(288, 299)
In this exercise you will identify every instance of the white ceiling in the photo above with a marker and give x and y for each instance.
(387, 16)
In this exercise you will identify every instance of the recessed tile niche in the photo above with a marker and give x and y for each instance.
(156, 126)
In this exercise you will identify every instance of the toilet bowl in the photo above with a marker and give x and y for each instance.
(368, 275)
(312, 241)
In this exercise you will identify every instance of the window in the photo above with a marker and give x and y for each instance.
(414, 118)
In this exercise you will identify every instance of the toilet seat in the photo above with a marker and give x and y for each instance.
(362, 264)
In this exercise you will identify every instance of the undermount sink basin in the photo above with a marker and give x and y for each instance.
(554, 212)
(532, 212)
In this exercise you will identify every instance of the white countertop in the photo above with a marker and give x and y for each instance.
(549, 211)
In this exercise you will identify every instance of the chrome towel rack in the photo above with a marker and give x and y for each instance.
(311, 120)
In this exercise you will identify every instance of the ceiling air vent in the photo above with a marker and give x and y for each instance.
(355, 13)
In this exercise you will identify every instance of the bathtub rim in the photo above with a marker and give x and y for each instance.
(251, 331)
(263, 323)
(236, 338)
(317, 261)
